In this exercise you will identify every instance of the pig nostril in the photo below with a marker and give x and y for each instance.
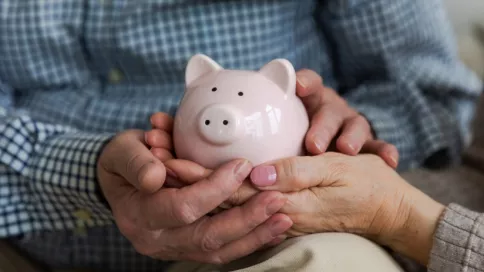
(207, 122)
(225, 122)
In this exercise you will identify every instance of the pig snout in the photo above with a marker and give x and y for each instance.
(220, 124)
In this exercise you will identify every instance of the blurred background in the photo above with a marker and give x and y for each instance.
(467, 17)
(462, 10)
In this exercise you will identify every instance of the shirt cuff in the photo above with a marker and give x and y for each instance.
(65, 176)
(458, 241)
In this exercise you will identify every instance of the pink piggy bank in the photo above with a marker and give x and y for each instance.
(231, 114)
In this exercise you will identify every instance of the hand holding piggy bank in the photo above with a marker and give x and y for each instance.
(230, 114)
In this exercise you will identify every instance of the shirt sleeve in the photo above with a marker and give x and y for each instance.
(458, 241)
(397, 64)
(47, 174)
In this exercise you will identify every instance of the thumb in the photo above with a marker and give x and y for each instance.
(129, 157)
(296, 173)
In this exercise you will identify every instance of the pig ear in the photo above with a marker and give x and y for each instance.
(198, 66)
(281, 72)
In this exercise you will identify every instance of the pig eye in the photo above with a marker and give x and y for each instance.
(241, 93)
(214, 89)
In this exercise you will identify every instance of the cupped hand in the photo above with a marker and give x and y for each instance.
(334, 122)
(172, 223)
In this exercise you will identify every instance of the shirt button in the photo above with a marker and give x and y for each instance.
(83, 215)
(115, 76)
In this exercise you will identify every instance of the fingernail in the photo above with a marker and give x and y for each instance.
(171, 173)
(352, 147)
(242, 167)
(394, 160)
(273, 206)
(318, 142)
(279, 227)
(302, 81)
(264, 175)
(225, 205)
(146, 137)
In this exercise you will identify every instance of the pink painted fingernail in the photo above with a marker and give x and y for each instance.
(264, 175)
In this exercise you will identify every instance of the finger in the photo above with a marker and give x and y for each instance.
(252, 242)
(243, 194)
(308, 82)
(162, 121)
(162, 154)
(131, 159)
(228, 226)
(171, 182)
(356, 131)
(186, 171)
(159, 139)
(325, 124)
(386, 151)
(179, 207)
(290, 174)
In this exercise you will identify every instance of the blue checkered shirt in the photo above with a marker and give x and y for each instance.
(73, 73)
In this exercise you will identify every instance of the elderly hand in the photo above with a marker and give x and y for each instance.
(172, 223)
(334, 122)
(357, 194)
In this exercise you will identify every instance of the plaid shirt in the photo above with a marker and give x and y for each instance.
(73, 73)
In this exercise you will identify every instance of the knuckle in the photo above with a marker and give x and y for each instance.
(291, 171)
(389, 148)
(131, 162)
(210, 243)
(234, 199)
(359, 119)
(343, 103)
(185, 213)
(377, 160)
(253, 219)
(339, 168)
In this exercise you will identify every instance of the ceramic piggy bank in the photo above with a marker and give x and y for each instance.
(230, 114)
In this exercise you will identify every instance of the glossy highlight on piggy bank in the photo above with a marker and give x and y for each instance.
(230, 114)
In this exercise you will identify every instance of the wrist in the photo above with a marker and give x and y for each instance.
(98, 187)
(414, 236)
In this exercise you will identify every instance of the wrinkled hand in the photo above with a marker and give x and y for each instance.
(360, 194)
(334, 122)
(183, 172)
(172, 223)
